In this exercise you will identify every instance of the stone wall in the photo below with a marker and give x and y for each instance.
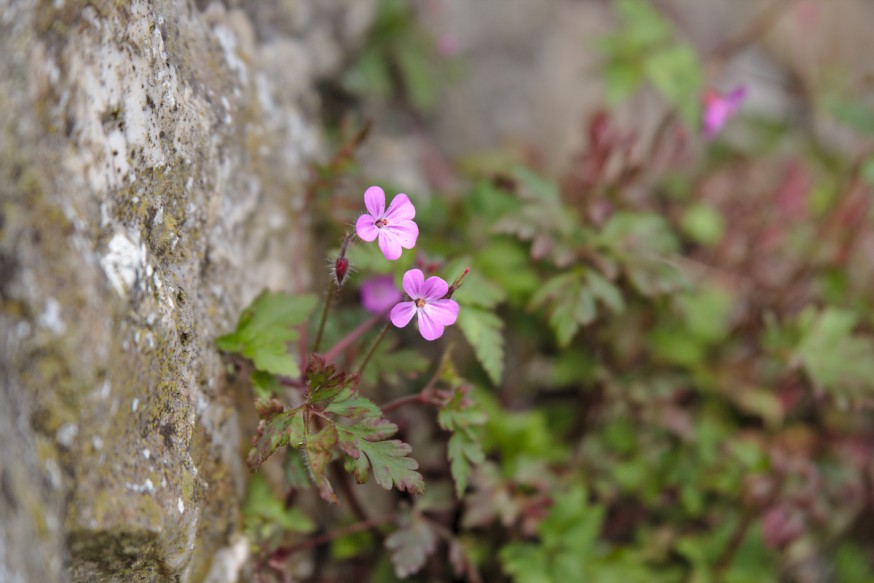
(152, 163)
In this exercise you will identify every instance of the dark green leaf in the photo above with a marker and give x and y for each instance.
(264, 330)
(484, 332)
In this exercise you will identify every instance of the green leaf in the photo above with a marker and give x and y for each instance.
(606, 291)
(263, 505)
(703, 223)
(348, 403)
(280, 430)
(463, 451)
(460, 416)
(571, 305)
(484, 332)
(568, 537)
(264, 384)
(264, 330)
(364, 443)
(834, 357)
(676, 74)
(411, 544)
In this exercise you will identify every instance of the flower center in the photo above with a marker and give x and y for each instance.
(381, 223)
(420, 303)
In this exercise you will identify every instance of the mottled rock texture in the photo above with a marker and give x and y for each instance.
(152, 163)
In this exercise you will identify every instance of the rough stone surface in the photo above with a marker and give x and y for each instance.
(152, 162)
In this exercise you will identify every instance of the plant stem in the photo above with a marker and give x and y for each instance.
(335, 534)
(328, 298)
(346, 486)
(373, 347)
(401, 401)
(354, 335)
(737, 536)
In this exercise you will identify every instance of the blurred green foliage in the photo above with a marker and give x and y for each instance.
(661, 372)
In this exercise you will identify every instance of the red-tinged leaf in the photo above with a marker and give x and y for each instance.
(363, 442)
(317, 455)
(348, 403)
(267, 407)
(411, 545)
(280, 430)
(324, 381)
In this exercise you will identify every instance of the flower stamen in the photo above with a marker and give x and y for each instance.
(420, 303)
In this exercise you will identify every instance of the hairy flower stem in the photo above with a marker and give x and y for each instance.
(328, 298)
(373, 347)
(354, 335)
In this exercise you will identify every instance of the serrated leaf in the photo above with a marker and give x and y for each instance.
(571, 305)
(461, 416)
(605, 291)
(364, 443)
(324, 381)
(463, 452)
(411, 545)
(483, 330)
(349, 403)
(317, 455)
(834, 357)
(264, 329)
(280, 430)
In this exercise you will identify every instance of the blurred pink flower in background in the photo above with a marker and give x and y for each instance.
(379, 294)
(448, 45)
(719, 108)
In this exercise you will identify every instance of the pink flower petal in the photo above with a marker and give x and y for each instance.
(414, 279)
(434, 288)
(428, 327)
(406, 232)
(400, 209)
(366, 228)
(444, 312)
(374, 200)
(402, 313)
(389, 245)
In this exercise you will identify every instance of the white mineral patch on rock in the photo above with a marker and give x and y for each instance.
(51, 317)
(124, 259)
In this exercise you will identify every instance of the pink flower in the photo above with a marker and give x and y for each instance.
(427, 301)
(718, 109)
(378, 294)
(393, 227)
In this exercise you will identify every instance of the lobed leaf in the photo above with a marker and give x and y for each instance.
(484, 332)
(278, 431)
(264, 330)
(323, 380)
(317, 453)
(364, 443)
(411, 545)
(464, 450)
